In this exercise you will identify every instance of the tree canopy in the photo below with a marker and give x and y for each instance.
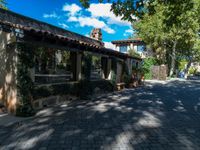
(171, 28)
(2, 4)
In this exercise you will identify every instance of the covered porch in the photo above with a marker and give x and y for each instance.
(47, 60)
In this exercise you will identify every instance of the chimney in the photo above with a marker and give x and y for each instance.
(96, 34)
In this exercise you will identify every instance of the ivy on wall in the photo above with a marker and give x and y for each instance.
(126, 75)
(113, 70)
(86, 65)
(24, 81)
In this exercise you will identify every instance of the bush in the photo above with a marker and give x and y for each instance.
(86, 88)
(25, 110)
(192, 70)
(127, 79)
(182, 64)
(146, 67)
(60, 89)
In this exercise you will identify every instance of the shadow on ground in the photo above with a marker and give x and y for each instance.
(157, 116)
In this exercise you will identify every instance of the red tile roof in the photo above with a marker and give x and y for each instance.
(35, 27)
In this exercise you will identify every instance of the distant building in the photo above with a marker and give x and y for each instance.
(132, 44)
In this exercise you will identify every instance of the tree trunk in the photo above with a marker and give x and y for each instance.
(187, 68)
(172, 68)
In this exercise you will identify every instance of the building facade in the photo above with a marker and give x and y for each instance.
(36, 55)
(132, 44)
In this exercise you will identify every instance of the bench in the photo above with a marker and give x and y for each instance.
(120, 86)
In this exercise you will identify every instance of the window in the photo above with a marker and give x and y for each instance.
(123, 48)
(141, 48)
(52, 66)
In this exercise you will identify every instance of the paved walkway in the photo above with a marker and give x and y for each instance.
(158, 116)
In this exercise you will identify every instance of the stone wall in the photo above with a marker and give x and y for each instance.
(8, 71)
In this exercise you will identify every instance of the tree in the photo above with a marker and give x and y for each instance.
(170, 27)
(127, 9)
(172, 30)
(3, 4)
(133, 53)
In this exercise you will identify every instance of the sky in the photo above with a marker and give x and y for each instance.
(70, 15)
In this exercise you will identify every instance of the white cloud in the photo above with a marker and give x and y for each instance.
(91, 22)
(109, 45)
(72, 9)
(103, 10)
(52, 15)
(128, 32)
(63, 25)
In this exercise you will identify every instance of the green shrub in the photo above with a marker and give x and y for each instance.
(146, 67)
(182, 64)
(59, 89)
(25, 110)
(86, 88)
(127, 79)
(192, 70)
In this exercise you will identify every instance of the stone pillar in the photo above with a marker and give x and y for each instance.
(104, 66)
(119, 72)
(109, 68)
(8, 71)
(78, 66)
(129, 64)
(32, 74)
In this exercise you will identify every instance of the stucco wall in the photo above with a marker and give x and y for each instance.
(8, 71)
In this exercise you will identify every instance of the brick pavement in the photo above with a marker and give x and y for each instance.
(157, 116)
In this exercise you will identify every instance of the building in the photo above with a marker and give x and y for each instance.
(36, 55)
(132, 44)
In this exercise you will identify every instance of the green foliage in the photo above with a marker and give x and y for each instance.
(192, 71)
(86, 65)
(127, 9)
(87, 88)
(133, 53)
(171, 30)
(58, 89)
(24, 84)
(126, 75)
(146, 67)
(3, 4)
(182, 64)
(127, 79)
(113, 70)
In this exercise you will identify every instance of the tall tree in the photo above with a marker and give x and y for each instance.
(172, 29)
(3, 4)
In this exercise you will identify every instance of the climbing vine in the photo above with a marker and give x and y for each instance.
(113, 70)
(24, 81)
(87, 64)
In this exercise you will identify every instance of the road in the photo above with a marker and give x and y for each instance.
(160, 115)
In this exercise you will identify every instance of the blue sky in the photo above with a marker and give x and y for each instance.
(69, 14)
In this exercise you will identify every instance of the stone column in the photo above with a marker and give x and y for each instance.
(109, 68)
(78, 66)
(129, 64)
(8, 71)
(32, 74)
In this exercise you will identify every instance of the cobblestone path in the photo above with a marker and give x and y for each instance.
(158, 116)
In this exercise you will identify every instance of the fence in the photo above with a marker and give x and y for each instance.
(159, 72)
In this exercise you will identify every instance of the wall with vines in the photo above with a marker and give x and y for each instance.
(24, 81)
